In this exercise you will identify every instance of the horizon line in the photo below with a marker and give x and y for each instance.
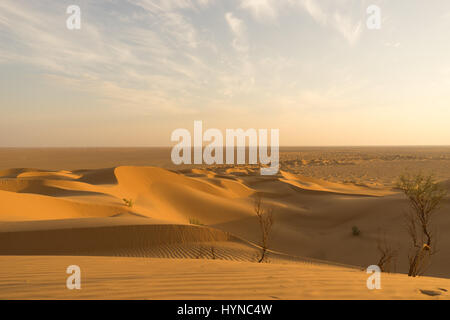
(283, 146)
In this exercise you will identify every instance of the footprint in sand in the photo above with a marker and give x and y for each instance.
(431, 292)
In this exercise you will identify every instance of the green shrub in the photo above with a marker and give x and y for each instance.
(128, 202)
(195, 221)
(355, 231)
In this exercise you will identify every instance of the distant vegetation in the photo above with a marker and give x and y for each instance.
(355, 231)
(195, 221)
(128, 202)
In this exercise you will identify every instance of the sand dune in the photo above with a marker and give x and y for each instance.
(312, 215)
(319, 185)
(207, 214)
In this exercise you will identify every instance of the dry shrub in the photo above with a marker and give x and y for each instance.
(425, 196)
(265, 219)
(388, 255)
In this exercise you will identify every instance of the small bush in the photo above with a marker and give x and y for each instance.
(265, 219)
(128, 202)
(195, 221)
(387, 254)
(355, 231)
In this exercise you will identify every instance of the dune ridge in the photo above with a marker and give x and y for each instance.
(82, 213)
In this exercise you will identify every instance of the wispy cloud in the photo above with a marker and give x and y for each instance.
(261, 9)
(335, 16)
(148, 59)
(238, 29)
(165, 58)
(349, 29)
(331, 14)
(153, 51)
(315, 11)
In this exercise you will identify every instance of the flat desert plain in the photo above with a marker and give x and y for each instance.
(192, 233)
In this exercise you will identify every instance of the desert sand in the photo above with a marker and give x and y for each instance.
(192, 233)
(181, 279)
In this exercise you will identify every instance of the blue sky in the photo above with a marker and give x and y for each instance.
(137, 70)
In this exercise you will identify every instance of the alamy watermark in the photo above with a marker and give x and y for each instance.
(233, 141)
(73, 282)
(374, 280)
(374, 19)
(73, 22)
